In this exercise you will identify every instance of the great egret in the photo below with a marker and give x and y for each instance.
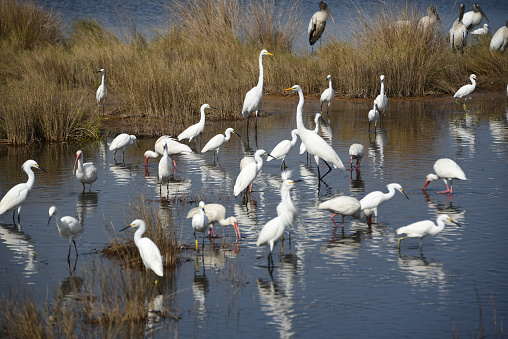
(473, 18)
(423, 228)
(215, 143)
(375, 199)
(356, 152)
(314, 144)
(254, 96)
(86, 173)
(317, 23)
(458, 32)
(447, 169)
(196, 129)
(121, 142)
(482, 30)
(216, 213)
(327, 95)
(165, 169)
(102, 91)
(68, 227)
(316, 130)
(148, 251)
(382, 100)
(249, 173)
(17, 195)
(283, 148)
(499, 41)
(465, 90)
(342, 205)
(430, 19)
(200, 222)
(373, 116)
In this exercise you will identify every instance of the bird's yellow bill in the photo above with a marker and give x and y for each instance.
(197, 245)
(331, 16)
(289, 89)
(269, 53)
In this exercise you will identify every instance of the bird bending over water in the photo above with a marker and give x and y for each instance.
(356, 152)
(317, 23)
(447, 169)
(216, 213)
(423, 228)
(465, 90)
(196, 129)
(342, 205)
(86, 172)
(68, 227)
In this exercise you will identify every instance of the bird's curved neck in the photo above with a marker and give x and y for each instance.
(80, 163)
(473, 81)
(259, 161)
(139, 232)
(202, 119)
(31, 177)
(440, 226)
(390, 194)
(227, 136)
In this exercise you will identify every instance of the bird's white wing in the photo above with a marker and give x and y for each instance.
(269, 231)
(119, 141)
(371, 200)
(251, 101)
(151, 255)
(13, 198)
(213, 143)
(246, 176)
(280, 150)
(189, 133)
(416, 229)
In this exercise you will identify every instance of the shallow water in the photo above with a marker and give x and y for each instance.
(330, 283)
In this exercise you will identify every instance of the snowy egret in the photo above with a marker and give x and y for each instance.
(314, 144)
(482, 30)
(86, 173)
(375, 199)
(216, 213)
(286, 209)
(499, 41)
(245, 161)
(17, 195)
(102, 91)
(342, 205)
(423, 228)
(249, 173)
(121, 142)
(283, 148)
(356, 152)
(447, 169)
(215, 143)
(68, 227)
(430, 19)
(465, 90)
(196, 129)
(382, 100)
(373, 116)
(327, 95)
(254, 96)
(165, 169)
(317, 23)
(148, 251)
(473, 18)
(200, 222)
(458, 32)
(316, 130)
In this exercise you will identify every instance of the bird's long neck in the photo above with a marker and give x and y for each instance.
(294, 139)
(260, 80)
(473, 81)
(227, 136)
(299, 112)
(103, 77)
(80, 163)
(382, 87)
(440, 226)
(390, 194)
(139, 233)
(202, 119)
(330, 83)
(259, 162)
(31, 177)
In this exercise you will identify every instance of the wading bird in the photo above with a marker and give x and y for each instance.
(473, 18)
(17, 195)
(317, 23)
(249, 172)
(102, 92)
(165, 169)
(375, 199)
(68, 227)
(327, 95)
(216, 213)
(121, 142)
(148, 251)
(215, 143)
(174, 147)
(254, 96)
(447, 169)
(86, 173)
(342, 205)
(382, 100)
(465, 90)
(482, 30)
(458, 32)
(499, 41)
(283, 148)
(316, 130)
(356, 152)
(314, 144)
(423, 228)
(200, 223)
(373, 116)
(430, 19)
(196, 129)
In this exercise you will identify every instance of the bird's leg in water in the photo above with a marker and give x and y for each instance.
(329, 170)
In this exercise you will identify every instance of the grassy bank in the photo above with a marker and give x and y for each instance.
(209, 55)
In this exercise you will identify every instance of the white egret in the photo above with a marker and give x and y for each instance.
(286, 209)
(458, 32)
(148, 251)
(430, 19)
(327, 95)
(254, 96)
(68, 227)
(86, 172)
(196, 129)
(216, 213)
(283, 148)
(342, 205)
(165, 169)
(249, 173)
(482, 30)
(373, 116)
(317, 23)
(102, 91)
(17, 195)
(465, 90)
(121, 142)
(473, 18)
(375, 199)
(245, 161)
(200, 222)
(215, 143)
(316, 130)
(174, 147)
(447, 169)
(423, 228)
(499, 41)
(314, 144)
(356, 152)
(381, 100)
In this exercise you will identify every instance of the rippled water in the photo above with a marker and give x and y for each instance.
(326, 282)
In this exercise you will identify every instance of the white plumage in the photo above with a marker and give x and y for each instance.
(283, 148)
(200, 222)
(86, 172)
(316, 130)
(165, 169)
(458, 32)
(373, 116)
(473, 18)
(430, 19)
(465, 90)
(249, 173)
(382, 100)
(342, 205)
(423, 228)
(447, 169)
(375, 199)
(356, 152)
(196, 129)
(215, 143)
(68, 227)
(216, 213)
(482, 30)
(499, 41)
(102, 91)
(121, 142)
(327, 95)
(317, 23)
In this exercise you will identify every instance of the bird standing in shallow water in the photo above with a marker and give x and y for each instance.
(216, 213)
(373, 116)
(317, 23)
(193, 131)
(356, 152)
(121, 142)
(381, 100)
(465, 90)
(447, 169)
(327, 95)
(165, 170)
(283, 148)
(423, 228)
(200, 222)
(342, 205)
(375, 199)
(215, 143)
(86, 172)
(249, 172)
(102, 92)
(68, 227)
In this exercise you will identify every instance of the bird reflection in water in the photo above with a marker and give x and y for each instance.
(21, 246)
(86, 205)
(423, 273)
(122, 173)
(200, 288)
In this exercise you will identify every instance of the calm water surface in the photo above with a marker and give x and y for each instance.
(330, 283)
